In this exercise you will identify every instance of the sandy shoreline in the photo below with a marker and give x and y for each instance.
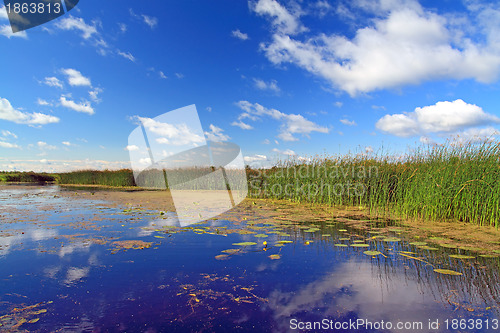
(159, 200)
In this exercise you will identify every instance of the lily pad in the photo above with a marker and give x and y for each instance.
(341, 245)
(261, 235)
(285, 241)
(246, 232)
(222, 257)
(275, 256)
(360, 245)
(448, 246)
(372, 253)
(461, 256)
(429, 248)
(437, 238)
(418, 243)
(471, 248)
(244, 244)
(342, 230)
(391, 239)
(231, 251)
(344, 239)
(325, 235)
(358, 241)
(132, 244)
(489, 255)
(446, 271)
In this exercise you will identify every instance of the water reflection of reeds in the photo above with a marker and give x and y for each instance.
(476, 289)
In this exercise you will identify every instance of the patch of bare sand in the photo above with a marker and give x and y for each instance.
(144, 199)
(158, 200)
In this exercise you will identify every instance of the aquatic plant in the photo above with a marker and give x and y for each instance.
(25, 177)
(458, 182)
(124, 177)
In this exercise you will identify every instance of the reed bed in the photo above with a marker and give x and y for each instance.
(119, 178)
(459, 182)
(185, 179)
(25, 177)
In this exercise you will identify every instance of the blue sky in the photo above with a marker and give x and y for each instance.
(279, 78)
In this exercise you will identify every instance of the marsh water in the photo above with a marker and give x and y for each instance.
(80, 265)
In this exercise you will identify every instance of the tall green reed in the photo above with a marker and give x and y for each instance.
(458, 182)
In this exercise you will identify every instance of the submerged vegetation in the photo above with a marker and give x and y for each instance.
(458, 182)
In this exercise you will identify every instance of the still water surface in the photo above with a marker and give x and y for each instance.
(78, 265)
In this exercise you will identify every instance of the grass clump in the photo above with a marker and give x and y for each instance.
(120, 178)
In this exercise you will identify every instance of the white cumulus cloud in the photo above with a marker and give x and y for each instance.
(6, 30)
(45, 146)
(94, 94)
(53, 82)
(287, 152)
(3, 13)
(4, 144)
(132, 148)
(291, 124)
(172, 134)
(84, 107)
(255, 158)
(238, 34)
(41, 101)
(263, 85)
(150, 20)
(126, 55)
(242, 125)
(442, 117)
(284, 20)
(348, 122)
(406, 44)
(6, 133)
(216, 134)
(75, 78)
(9, 113)
(76, 23)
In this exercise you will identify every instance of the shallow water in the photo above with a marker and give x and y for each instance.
(63, 267)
